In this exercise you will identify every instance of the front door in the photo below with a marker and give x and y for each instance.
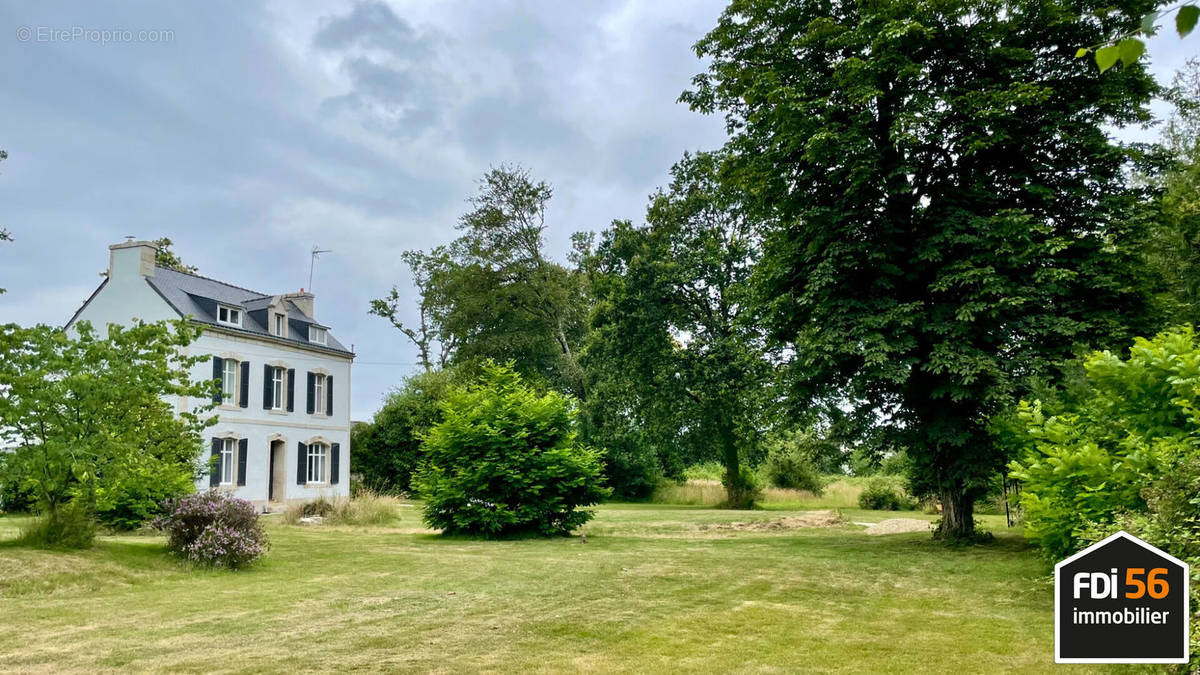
(275, 480)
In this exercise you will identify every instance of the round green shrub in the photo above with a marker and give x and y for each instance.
(790, 466)
(882, 495)
(505, 460)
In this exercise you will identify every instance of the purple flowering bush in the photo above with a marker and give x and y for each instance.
(212, 528)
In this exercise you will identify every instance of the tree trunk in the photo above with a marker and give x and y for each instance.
(958, 515)
(738, 495)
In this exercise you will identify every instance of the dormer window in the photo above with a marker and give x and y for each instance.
(317, 335)
(230, 316)
(279, 326)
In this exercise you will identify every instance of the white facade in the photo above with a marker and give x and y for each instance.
(262, 449)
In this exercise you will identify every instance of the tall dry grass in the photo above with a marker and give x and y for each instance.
(366, 508)
(838, 494)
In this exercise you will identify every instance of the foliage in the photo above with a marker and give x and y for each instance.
(673, 346)
(1094, 458)
(946, 208)
(1170, 521)
(387, 451)
(505, 460)
(494, 294)
(636, 460)
(14, 497)
(213, 528)
(430, 274)
(1128, 47)
(631, 467)
(1173, 242)
(882, 494)
(167, 258)
(68, 527)
(790, 463)
(93, 417)
(743, 490)
(895, 464)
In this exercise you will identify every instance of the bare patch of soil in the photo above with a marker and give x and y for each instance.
(899, 525)
(807, 520)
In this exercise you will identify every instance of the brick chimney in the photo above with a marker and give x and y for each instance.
(304, 300)
(131, 258)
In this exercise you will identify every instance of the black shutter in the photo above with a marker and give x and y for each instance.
(302, 464)
(244, 398)
(329, 396)
(333, 463)
(242, 446)
(219, 376)
(311, 379)
(267, 397)
(215, 479)
(291, 402)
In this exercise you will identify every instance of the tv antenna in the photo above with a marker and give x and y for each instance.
(316, 252)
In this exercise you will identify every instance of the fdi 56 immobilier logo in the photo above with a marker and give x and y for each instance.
(1121, 600)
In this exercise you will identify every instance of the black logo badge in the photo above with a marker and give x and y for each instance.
(1121, 601)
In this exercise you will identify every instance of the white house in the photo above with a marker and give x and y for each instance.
(283, 433)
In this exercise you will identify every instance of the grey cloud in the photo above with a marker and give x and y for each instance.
(372, 25)
(398, 92)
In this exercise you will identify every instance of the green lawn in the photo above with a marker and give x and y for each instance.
(653, 588)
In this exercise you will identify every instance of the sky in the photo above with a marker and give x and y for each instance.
(250, 132)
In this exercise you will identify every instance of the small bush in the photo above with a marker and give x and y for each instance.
(883, 495)
(319, 507)
(212, 528)
(633, 472)
(68, 526)
(705, 471)
(506, 460)
(790, 467)
(745, 492)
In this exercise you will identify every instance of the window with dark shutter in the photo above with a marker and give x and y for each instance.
(215, 477)
(329, 396)
(291, 389)
(242, 447)
(244, 394)
(301, 464)
(219, 376)
(312, 378)
(267, 395)
(334, 461)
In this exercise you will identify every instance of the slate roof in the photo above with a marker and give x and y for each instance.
(196, 296)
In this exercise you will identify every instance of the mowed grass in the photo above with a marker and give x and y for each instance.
(653, 588)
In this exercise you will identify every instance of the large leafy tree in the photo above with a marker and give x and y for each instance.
(950, 210)
(91, 416)
(495, 294)
(671, 323)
